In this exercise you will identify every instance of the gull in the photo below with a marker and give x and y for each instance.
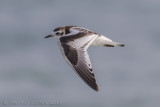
(74, 42)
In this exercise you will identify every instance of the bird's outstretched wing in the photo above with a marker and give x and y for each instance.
(74, 49)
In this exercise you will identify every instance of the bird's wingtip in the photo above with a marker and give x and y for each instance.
(96, 89)
(121, 45)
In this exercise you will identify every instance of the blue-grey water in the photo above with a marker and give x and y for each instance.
(32, 68)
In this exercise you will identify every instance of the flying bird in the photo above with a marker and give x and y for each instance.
(74, 42)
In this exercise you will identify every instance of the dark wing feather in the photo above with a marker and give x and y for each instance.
(76, 55)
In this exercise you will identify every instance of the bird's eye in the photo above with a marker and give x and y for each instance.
(59, 34)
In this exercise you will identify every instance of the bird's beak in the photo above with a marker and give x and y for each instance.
(48, 36)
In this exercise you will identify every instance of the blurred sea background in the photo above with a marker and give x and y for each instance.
(33, 69)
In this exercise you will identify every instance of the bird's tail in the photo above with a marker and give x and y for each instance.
(113, 44)
(120, 44)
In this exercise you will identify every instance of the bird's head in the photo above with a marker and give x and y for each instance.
(60, 31)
